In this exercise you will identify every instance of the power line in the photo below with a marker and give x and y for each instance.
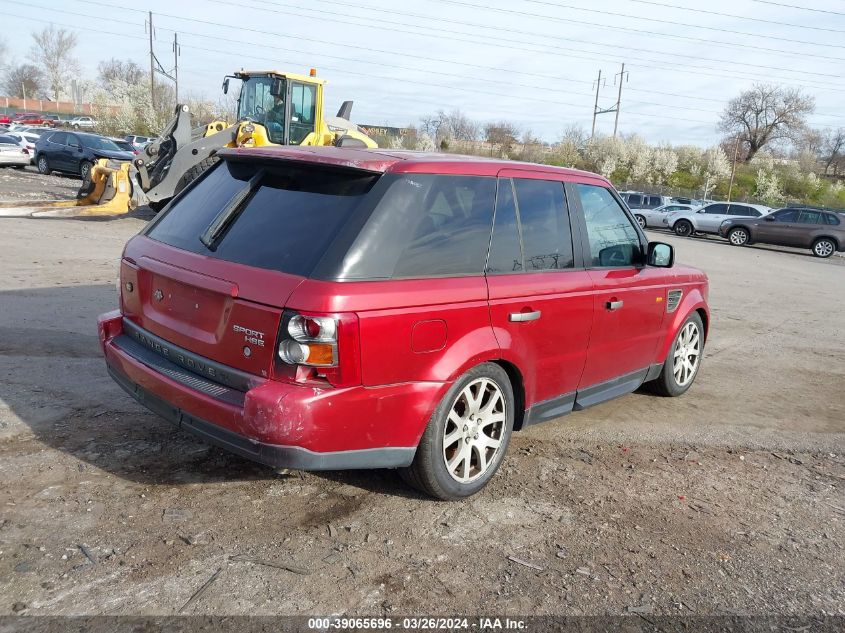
(335, 43)
(346, 58)
(735, 16)
(793, 6)
(241, 42)
(633, 30)
(369, 23)
(684, 24)
(363, 74)
(441, 20)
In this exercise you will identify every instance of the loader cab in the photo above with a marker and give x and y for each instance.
(289, 106)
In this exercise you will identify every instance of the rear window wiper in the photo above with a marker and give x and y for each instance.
(228, 213)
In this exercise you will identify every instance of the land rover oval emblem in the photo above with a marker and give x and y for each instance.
(158, 295)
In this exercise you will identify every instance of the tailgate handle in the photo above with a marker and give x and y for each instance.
(520, 317)
(185, 276)
(614, 305)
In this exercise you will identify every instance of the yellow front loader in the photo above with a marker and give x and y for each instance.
(274, 108)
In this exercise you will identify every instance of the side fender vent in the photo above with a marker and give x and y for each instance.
(673, 299)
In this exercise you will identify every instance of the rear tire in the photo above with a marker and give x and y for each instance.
(738, 236)
(683, 360)
(467, 436)
(195, 172)
(683, 228)
(824, 247)
(43, 166)
(641, 221)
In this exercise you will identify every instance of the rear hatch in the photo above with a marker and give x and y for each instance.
(213, 272)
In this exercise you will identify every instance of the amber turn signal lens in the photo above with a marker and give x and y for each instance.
(320, 354)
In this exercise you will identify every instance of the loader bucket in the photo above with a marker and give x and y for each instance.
(108, 193)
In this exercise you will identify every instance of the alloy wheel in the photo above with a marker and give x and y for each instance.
(738, 237)
(687, 354)
(683, 228)
(42, 165)
(85, 170)
(823, 248)
(641, 221)
(473, 434)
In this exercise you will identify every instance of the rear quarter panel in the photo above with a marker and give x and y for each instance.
(410, 330)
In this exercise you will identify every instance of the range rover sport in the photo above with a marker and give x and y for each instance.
(331, 308)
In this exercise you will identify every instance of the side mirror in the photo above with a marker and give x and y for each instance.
(277, 87)
(226, 86)
(701, 211)
(769, 218)
(660, 255)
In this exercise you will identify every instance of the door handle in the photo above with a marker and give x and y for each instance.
(614, 305)
(524, 316)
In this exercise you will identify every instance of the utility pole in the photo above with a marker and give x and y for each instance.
(176, 53)
(152, 67)
(596, 105)
(733, 168)
(622, 74)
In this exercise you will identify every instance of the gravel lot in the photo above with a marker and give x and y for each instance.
(727, 500)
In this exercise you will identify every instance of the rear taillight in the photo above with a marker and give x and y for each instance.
(25, 150)
(321, 347)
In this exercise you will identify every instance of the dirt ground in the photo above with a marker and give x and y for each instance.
(728, 500)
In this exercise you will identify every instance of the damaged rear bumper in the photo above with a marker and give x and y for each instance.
(279, 424)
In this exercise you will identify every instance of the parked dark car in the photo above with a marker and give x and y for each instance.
(74, 152)
(821, 231)
(329, 308)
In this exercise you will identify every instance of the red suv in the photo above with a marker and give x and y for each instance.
(329, 308)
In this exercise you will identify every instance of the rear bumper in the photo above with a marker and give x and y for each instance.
(280, 424)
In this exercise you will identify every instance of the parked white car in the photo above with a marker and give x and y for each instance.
(26, 140)
(707, 219)
(655, 218)
(82, 122)
(11, 152)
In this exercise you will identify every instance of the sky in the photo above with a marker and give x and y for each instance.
(532, 62)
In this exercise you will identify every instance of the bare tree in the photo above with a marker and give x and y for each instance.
(4, 50)
(25, 81)
(502, 134)
(53, 52)
(119, 70)
(765, 115)
(833, 150)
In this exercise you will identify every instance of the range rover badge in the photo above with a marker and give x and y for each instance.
(158, 295)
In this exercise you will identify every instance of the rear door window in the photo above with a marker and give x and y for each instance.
(59, 138)
(505, 247)
(546, 234)
(810, 217)
(635, 200)
(716, 209)
(285, 224)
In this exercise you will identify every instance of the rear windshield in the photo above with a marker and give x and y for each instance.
(286, 223)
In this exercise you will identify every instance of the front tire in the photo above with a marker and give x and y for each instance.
(641, 221)
(44, 166)
(85, 170)
(683, 361)
(824, 247)
(738, 236)
(467, 436)
(683, 228)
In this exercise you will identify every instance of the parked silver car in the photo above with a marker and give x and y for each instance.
(11, 152)
(654, 218)
(707, 219)
(82, 122)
